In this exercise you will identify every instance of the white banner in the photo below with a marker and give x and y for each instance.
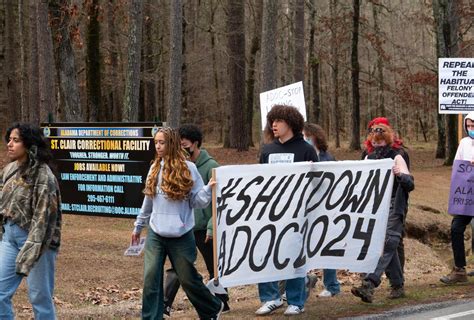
(278, 221)
(291, 95)
(456, 85)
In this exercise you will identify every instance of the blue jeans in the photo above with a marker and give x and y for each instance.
(182, 254)
(40, 280)
(330, 281)
(295, 291)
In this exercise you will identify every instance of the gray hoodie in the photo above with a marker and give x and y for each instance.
(173, 218)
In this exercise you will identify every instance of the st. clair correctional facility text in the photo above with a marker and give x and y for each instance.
(112, 145)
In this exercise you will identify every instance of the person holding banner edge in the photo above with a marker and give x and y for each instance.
(465, 151)
(30, 218)
(382, 143)
(172, 189)
(191, 139)
(315, 136)
(285, 126)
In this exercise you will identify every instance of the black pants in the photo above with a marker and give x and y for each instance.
(458, 226)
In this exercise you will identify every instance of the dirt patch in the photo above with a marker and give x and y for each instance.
(95, 281)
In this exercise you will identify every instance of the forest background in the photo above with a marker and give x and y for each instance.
(206, 61)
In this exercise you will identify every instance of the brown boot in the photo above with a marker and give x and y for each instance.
(365, 291)
(457, 275)
(397, 293)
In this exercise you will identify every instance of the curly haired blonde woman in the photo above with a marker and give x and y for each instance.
(173, 188)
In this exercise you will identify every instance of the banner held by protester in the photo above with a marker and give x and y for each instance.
(279, 221)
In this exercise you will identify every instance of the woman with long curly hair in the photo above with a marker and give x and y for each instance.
(173, 188)
(30, 221)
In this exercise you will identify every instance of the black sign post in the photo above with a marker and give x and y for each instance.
(102, 166)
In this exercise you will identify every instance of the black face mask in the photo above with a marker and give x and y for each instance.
(188, 150)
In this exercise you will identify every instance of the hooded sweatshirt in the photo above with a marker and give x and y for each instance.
(466, 145)
(202, 217)
(293, 150)
(173, 218)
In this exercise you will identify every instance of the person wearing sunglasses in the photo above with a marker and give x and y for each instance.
(382, 143)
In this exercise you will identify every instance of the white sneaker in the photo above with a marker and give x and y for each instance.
(293, 311)
(325, 294)
(269, 306)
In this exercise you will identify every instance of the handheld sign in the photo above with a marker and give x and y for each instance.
(102, 166)
(291, 95)
(456, 85)
(461, 194)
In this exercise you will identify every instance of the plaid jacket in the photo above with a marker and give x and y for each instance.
(32, 200)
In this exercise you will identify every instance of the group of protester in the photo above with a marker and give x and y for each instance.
(176, 211)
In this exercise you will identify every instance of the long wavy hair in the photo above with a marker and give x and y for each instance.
(176, 179)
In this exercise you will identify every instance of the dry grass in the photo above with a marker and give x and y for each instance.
(95, 281)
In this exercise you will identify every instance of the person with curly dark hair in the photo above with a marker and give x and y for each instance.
(285, 126)
(173, 188)
(30, 216)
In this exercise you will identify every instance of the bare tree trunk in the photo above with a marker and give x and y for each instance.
(269, 36)
(299, 41)
(215, 74)
(379, 49)
(236, 66)
(46, 66)
(440, 119)
(64, 53)
(11, 62)
(355, 140)
(254, 48)
(93, 80)
(176, 58)
(335, 72)
(185, 111)
(313, 63)
(34, 98)
(446, 15)
(132, 79)
(23, 39)
(116, 88)
(149, 81)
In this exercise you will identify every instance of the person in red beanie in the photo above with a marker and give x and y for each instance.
(382, 143)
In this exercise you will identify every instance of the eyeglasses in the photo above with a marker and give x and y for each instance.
(376, 130)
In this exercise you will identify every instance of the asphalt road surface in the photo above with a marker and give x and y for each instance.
(458, 310)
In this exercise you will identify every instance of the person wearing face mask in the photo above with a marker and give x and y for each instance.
(191, 139)
(465, 151)
(382, 143)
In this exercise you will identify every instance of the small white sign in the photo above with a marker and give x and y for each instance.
(291, 95)
(274, 158)
(456, 85)
(135, 249)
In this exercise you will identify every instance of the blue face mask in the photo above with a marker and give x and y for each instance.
(471, 133)
(308, 140)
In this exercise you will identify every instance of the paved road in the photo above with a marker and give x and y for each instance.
(458, 310)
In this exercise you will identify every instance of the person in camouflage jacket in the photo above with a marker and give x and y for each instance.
(30, 218)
